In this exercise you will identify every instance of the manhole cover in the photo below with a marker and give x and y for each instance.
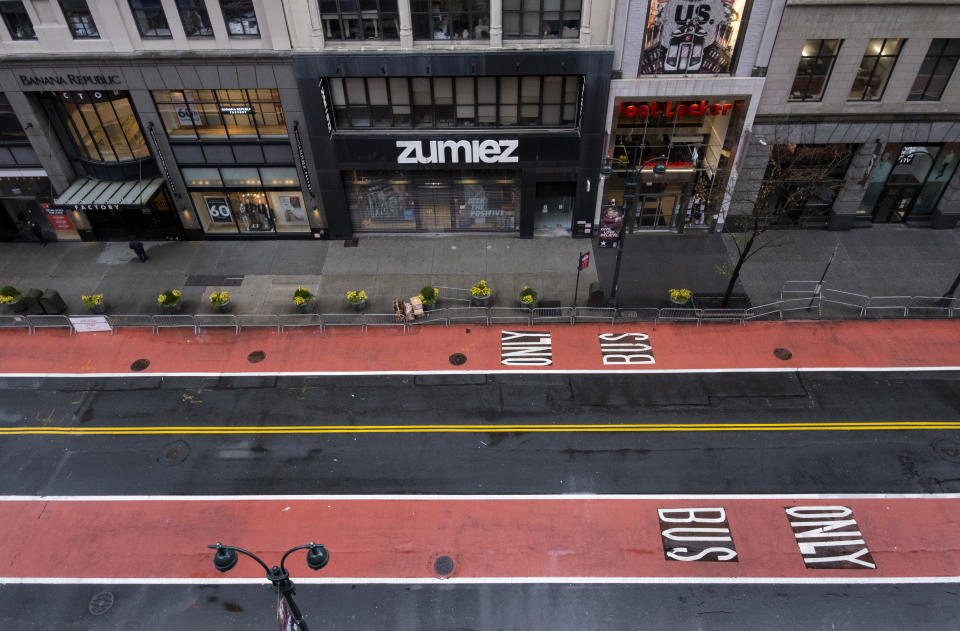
(443, 565)
(458, 359)
(174, 453)
(948, 449)
(140, 364)
(100, 603)
(782, 353)
(256, 356)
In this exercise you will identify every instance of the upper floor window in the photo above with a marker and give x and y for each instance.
(816, 62)
(935, 70)
(452, 102)
(194, 17)
(240, 17)
(875, 69)
(541, 18)
(359, 19)
(150, 18)
(191, 114)
(79, 19)
(17, 20)
(451, 19)
(102, 125)
(10, 128)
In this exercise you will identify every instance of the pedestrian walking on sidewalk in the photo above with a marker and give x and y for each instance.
(38, 232)
(137, 246)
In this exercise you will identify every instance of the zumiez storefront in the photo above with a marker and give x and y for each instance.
(408, 143)
(696, 136)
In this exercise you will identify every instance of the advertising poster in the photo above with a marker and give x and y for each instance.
(219, 209)
(690, 36)
(291, 210)
(610, 225)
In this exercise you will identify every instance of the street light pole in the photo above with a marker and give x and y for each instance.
(317, 558)
(630, 203)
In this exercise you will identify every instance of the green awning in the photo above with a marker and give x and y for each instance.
(90, 194)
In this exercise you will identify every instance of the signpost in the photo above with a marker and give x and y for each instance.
(582, 264)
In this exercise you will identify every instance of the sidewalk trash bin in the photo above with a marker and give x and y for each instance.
(31, 299)
(596, 298)
(52, 303)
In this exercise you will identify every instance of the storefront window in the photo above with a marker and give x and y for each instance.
(434, 201)
(802, 181)
(450, 102)
(10, 128)
(247, 201)
(192, 114)
(908, 181)
(691, 38)
(102, 125)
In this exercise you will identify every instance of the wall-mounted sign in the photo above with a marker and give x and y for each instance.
(163, 162)
(70, 79)
(302, 156)
(235, 110)
(457, 151)
(669, 109)
(690, 36)
(57, 217)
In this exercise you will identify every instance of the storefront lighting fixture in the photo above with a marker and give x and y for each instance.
(468, 181)
(504, 181)
(399, 181)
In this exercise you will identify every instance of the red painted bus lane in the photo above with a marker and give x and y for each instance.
(497, 538)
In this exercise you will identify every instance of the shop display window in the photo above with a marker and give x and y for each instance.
(541, 19)
(435, 201)
(247, 200)
(101, 124)
(240, 114)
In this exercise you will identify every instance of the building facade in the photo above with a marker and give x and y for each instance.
(859, 122)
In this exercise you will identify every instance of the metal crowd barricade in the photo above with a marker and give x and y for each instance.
(886, 307)
(933, 307)
(454, 293)
(117, 321)
(594, 314)
(799, 304)
(431, 316)
(722, 315)
(468, 315)
(793, 289)
(552, 314)
(210, 320)
(647, 314)
(761, 312)
(382, 319)
(174, 321)
(846, 299)
(14, 321)
(344, 319)
(291, 320)
(35, 322)
(509, 315)
(676, 314)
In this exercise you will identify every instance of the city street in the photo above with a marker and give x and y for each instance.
(484, 499)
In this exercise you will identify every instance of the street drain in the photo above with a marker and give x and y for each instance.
(100, 603)
(256, 356)
(443, 565)
(948, 449)
(782, 353)
(140, 364)
(458, 359)
(174, 453)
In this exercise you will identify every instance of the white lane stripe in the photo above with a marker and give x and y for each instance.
(519, 371)
(509, 580)
(453, 497)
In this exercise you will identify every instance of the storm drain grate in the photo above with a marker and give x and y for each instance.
(207, 280)
(256, 357)
(458, 359)
(782, 353)
(443, 565)
(140, 364)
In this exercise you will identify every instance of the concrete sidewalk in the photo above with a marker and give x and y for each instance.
(882, 260)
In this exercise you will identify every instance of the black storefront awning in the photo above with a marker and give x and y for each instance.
(91, 194)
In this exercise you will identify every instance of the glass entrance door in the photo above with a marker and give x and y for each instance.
(894, 204)
(655, 211)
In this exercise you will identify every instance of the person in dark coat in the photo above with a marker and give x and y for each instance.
(38, 232)
(137, 246)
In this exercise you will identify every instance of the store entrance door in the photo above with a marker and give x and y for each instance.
(555, 207)
(656, 211)
(894, 204)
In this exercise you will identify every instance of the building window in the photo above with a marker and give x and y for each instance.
(935, 70)
(451, 19)
(240, 17)
(453, 102)
(150, 19)
(10, 128)
(538, 19)
(79, 19)
(246, 200)
(102, 125)
(359, 19)
(194, 17)
(193, 114)
(17, 20)
(875, 69)
(801, 182)
(816, 62)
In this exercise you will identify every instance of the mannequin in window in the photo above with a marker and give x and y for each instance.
(481, 30)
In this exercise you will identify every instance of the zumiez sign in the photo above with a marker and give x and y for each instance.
(457, 151)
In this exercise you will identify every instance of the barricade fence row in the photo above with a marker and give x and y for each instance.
(814, 301)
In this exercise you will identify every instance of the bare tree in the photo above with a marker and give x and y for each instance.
(798, 178)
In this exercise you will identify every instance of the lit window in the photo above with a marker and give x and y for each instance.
(813, 72)
(875, 69)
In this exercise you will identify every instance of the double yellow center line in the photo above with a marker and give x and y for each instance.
(486, 429)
